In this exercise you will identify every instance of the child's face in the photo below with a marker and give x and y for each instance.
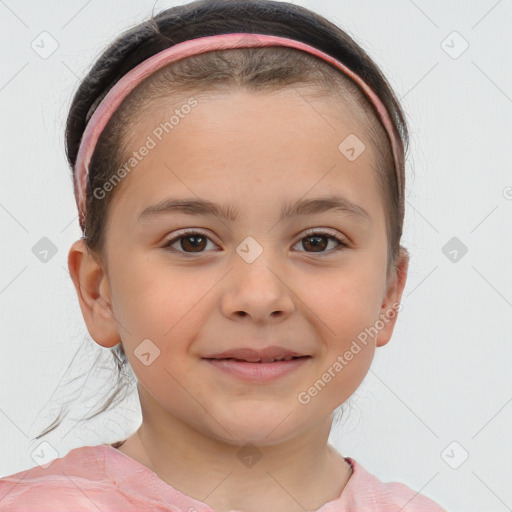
(254, 152)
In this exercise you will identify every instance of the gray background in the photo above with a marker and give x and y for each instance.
(444, 377)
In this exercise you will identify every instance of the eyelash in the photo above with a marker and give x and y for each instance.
(308, 233)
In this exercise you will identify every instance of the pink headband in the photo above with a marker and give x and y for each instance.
(188, 48)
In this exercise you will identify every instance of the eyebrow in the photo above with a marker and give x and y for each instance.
(195, 206)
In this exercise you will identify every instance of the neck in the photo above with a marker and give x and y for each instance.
(231, 477)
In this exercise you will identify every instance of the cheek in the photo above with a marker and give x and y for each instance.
(343, 303)
(160, 310)
(156, 300)
(344, 310)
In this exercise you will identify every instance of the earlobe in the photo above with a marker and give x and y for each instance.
(92, 288)
(391, 303)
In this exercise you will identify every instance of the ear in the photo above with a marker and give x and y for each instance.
(391, 301)
(93, 290)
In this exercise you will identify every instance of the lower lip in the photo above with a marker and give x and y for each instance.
(258, 372)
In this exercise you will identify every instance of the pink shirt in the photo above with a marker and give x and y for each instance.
(101, 478)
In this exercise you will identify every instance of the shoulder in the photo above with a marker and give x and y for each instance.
(365, 491)
(69, 482)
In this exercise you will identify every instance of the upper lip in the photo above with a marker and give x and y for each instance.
(252, 355)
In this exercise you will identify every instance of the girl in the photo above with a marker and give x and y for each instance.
(239, 177)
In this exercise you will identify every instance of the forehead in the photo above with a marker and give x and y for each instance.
(250, 144)
(280, 107)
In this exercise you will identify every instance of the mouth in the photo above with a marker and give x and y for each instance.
(257, 361)
(263, 355)
(257, 365)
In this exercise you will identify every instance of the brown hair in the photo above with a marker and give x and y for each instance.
(265, 69)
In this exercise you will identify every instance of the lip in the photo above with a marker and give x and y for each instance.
(263, 355)
(257, 372)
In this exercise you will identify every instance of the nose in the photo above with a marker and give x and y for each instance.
(257, 292)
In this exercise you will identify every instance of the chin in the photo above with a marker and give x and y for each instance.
(262, 426)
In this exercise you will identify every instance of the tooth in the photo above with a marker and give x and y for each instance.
(288, 358)
(267, 360)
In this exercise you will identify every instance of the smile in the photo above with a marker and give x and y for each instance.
(261, 370)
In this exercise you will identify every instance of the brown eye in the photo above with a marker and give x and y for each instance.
(189, 242)
(194, 243)
(318, 241)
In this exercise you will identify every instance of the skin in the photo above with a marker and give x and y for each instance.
(254, 151)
